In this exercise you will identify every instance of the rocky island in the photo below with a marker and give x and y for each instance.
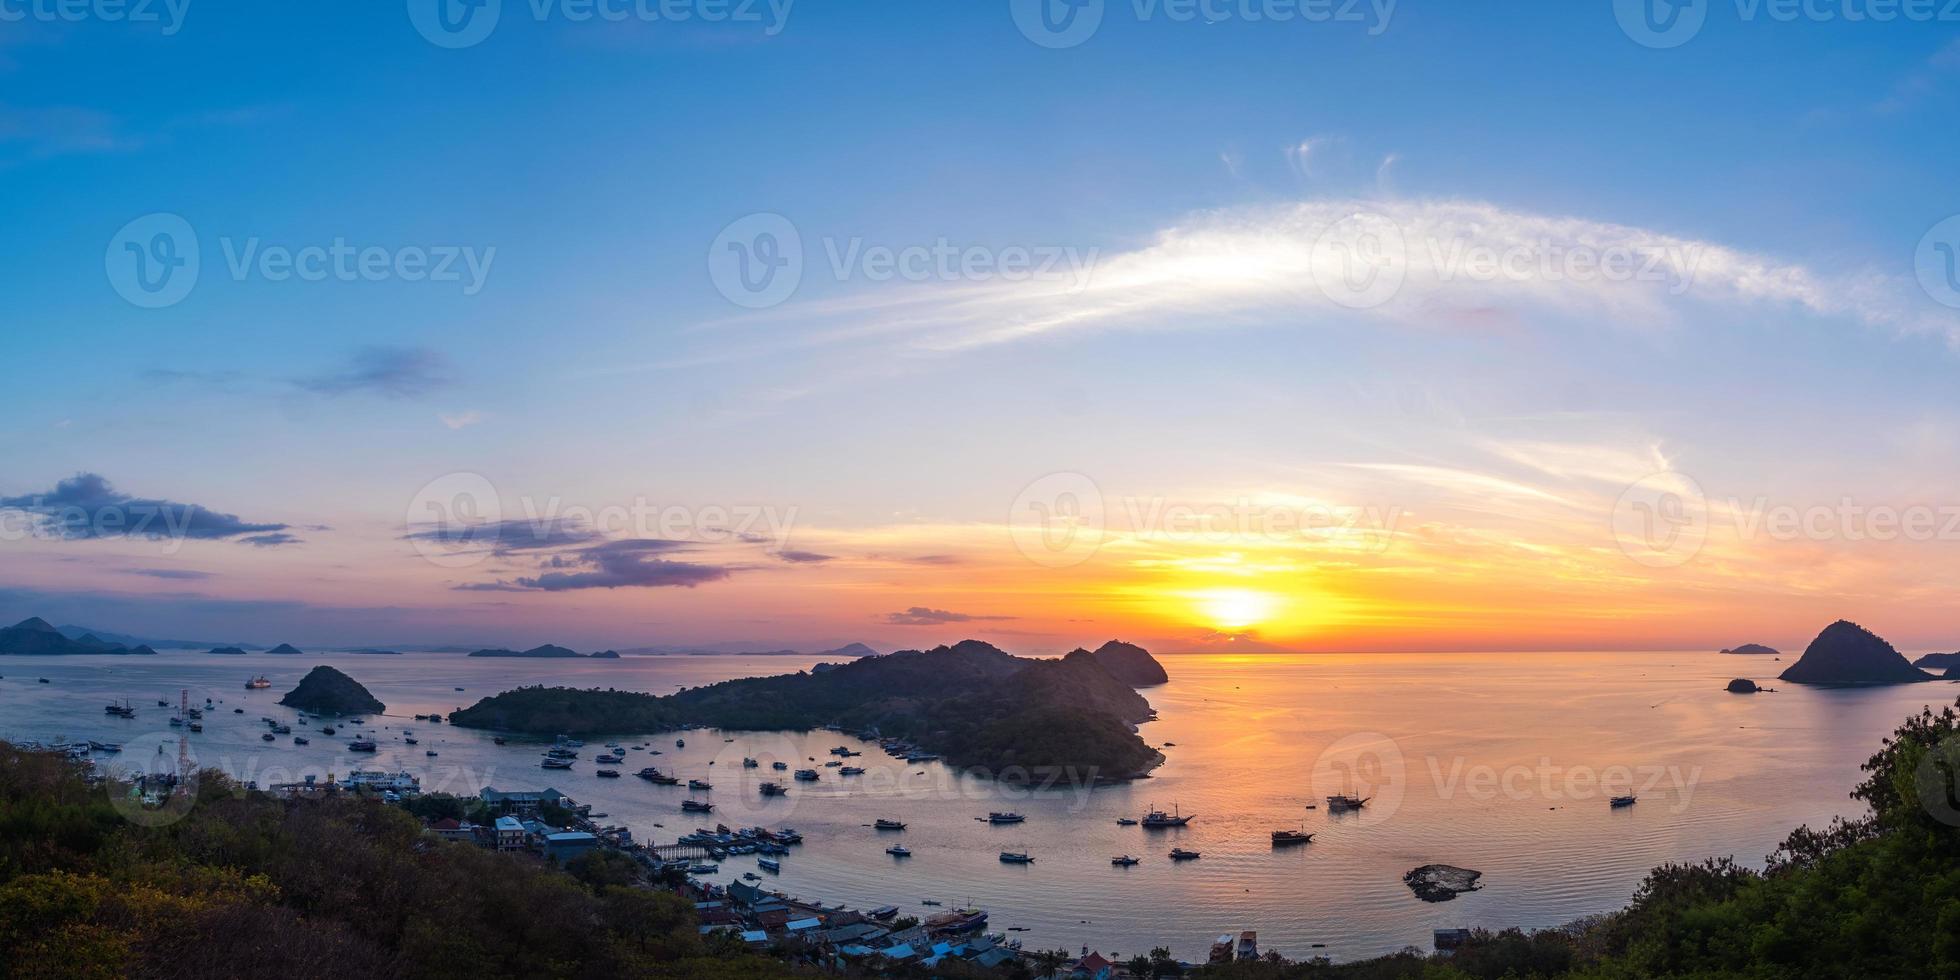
(547, 652)
(326, 691)
(36, 637)
(1846, 653)
(1441, 882)
(1131, 664)
(1743, 685)
(1755, 649)
(971, 703)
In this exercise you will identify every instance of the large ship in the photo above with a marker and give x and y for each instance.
(961, 920)
(258, 683)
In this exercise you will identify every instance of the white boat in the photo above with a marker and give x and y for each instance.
(899, 851)
(769, 864)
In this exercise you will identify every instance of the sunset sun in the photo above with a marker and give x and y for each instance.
(1235, 609)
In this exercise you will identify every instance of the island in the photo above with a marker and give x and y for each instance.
(1938, 661)
(972, 704)
(548, 652)
(1743, 685)
(326, 691)
(374, 653)
(1441, 882)
(36, 637)
(1755, 649)
(1846, 653)
(285, 650)
(226, 652)
(1131, 663)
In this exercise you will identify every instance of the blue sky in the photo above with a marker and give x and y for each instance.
(598, 362)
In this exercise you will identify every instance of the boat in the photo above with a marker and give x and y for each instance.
(656, 777)
(258, 683)
(1180, 854)
(807, 775)
(497, 739)
(851, 771)
(268, 736)
(361, 745)
(300, 740)
(556, 764)
(561, 753)
(773, 789)
(779, 766)
(327, 730)
(110, 747)
(1158, 818)
(680, 743)
(1126, 821)
(1004, 817)
(696, 806)
(1125, 861)
(609, 757)
(1016, 857)
(703, 869)
(432, 754)
(1281, 838)
(602, 773)
(238, 711)
(699, 784)
(883, 824)
(1341, 804)
(197, 727)
(883, 912)
(928, 901)
(899, 851)
(750, 763)
(1620, 801)
(411, 741)
(961, 920)
(176, 722)
(770, 865)
(123, 710)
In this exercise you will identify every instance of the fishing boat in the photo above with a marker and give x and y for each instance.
(1282, 838)
(1158, 818)
(497, 739)
(1126, 821)
(1016, 857)
(300, 740)
(326, 730)
(703, 869)
(1125, 861)
(109, 747)
(779, 766)
(123, 710)
(770, 865)
(197, 727)
(656, 777)
(899, 851)
(1180, 854)
(1004, 817)
(432, 754)
(561, 753)
(961, 920)
(550, 763)
(851, 771)
(1341, 804)
(773, 789)
(610, 758)
(258, 683)
(362, 745)
(699, 784)
(807, 775)
(268, 736)
(696, 806)
(883, 824)
(883, 912)
(1620, 801)
(602, 773)
(411, 741)
(750, 763)
(680, 743)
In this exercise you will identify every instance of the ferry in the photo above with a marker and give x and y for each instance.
(773, 789)
(1125, 861)
(696, 806)
(556, 763)
(1000, 817)
(1158, 818)
(1180, 854)
(258, 683)
(899, 851)
(1016, 857)
(1620, 801)
(883, 824)
(1281, 838)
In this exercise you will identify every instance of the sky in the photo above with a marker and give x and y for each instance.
(1245, 325)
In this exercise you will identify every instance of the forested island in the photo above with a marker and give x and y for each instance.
(971, 703)
(547, 651)
(326, 691)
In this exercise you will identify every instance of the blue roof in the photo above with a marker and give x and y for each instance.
(572, 837)
(509, 823)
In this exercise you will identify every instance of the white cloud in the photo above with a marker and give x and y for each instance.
(461, 420)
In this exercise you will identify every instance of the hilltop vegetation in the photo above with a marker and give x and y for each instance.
(249, 886)
(971, 703)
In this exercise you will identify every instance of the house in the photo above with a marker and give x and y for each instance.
(1092, 967)
(526, 803)
(568, 845)
(449, 828)
(510, 834)
(803, 927)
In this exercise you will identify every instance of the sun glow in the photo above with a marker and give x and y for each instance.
(1235, 609)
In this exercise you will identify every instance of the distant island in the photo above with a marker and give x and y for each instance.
(548, 652)
(34, 637)
(971, 703)
(1938, 661)
(326, 691)
(1755, 649)
(1846, 653)
(73, 632)
(375, 653)
(226, 652)
(286, 650)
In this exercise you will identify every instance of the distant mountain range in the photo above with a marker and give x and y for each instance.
(34, 637)
(74, 632)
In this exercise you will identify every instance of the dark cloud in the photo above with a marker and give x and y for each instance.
(183, 574)
(394, 372)
(273, 540)
(803, 557)
(922, 616)
(628, 563)
(504, 537)
(86, 506)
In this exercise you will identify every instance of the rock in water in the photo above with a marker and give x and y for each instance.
(326, 691)
(1754, 648)
(1132, 664)
(1846, 653)
(1743, 685)
(1441, 882)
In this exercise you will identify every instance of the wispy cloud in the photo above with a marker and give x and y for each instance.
(460, 420)
(393, 372)
(924, 616)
